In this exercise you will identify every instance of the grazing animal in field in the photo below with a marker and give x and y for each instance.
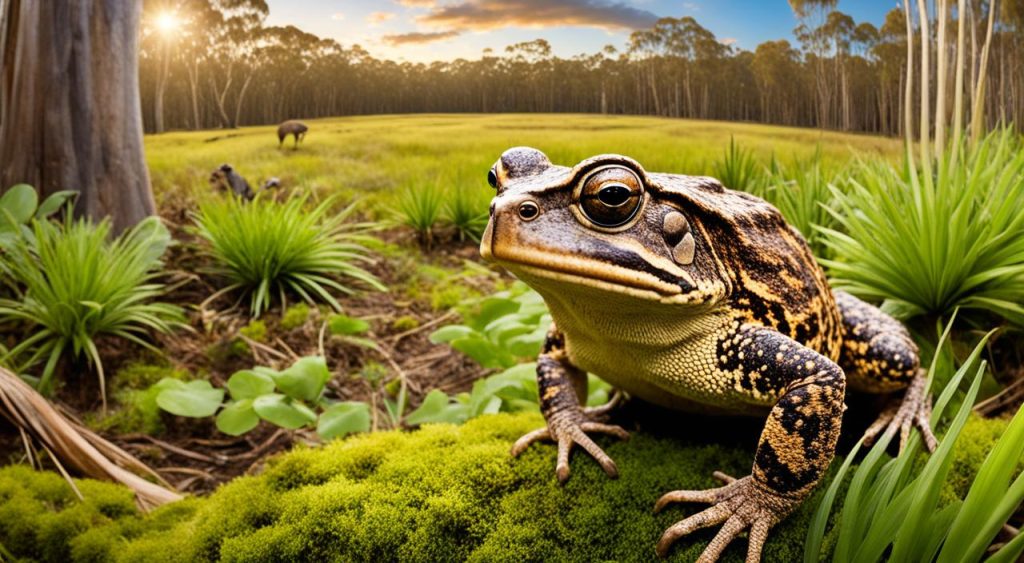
(224, 178)
(294, 128)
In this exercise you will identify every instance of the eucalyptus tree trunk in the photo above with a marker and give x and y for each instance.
(70, 116)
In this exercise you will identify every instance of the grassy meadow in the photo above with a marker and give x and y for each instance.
(278, 324)
(380, 156)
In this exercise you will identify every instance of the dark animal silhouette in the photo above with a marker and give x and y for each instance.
(226, 179)
(291, 127)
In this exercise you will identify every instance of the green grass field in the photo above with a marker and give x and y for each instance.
(380, 156)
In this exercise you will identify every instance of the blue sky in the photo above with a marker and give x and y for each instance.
(425, 30)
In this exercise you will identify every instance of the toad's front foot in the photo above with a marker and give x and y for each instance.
(740, 504)
(914, 410)
(569, 427)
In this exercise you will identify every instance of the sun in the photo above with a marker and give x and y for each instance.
(167, 22)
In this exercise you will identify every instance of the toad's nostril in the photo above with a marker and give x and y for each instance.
(528, 210)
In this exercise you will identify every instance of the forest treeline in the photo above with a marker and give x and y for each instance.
(219, 65)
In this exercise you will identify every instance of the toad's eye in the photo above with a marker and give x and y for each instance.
(611, 196)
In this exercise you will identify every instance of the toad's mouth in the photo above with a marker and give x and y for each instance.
(629, 275)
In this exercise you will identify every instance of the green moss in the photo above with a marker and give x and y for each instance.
(255, 331)
(404, 323)
(444, 297)
(142, 375)
(440, 493)
(295, 316)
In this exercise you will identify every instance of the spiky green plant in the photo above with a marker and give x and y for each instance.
(738, 169)
(75, 284)
(930, 242)
(420, 208)
(893, 507)
(802, 191)
(466, 209)
(266, 248)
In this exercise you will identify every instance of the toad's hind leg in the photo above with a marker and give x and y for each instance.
(878, 356)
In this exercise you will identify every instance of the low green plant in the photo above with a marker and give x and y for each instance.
(926, 242)
(502, 330)
(512, 390)
(350, 330)
(420, 208)
(134, 407)
(75, 284)
(266, 249)
(893, 506)
(738, 169)
(467, 211)
(20, 205)
(292, 399)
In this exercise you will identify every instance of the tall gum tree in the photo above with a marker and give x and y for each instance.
(70, 116)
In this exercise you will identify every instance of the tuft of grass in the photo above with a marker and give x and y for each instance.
(466, 210)
(265, 249)
(75, 285)
(420, 208)
(739, 169)
(802, 191)
(927, 243)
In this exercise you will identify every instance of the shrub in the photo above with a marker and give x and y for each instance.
(75, 285)
(266, 249)
(926, 243)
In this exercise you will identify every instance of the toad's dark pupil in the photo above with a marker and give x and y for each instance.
(492, 178)
(614, 195)
(528, 210)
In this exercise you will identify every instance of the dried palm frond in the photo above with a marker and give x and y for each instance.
(77, 447)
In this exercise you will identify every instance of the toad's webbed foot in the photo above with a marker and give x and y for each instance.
(740, 504)
(567, 428)
(915, 410)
